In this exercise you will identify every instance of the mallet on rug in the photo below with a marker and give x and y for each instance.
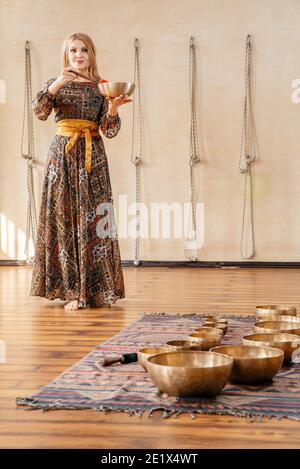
(125, 358)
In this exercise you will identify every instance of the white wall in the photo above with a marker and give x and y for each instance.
(164, 28)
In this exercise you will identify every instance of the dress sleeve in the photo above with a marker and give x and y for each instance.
(110, 125)
(44, 101)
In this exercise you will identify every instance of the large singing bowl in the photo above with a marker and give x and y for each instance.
(252, 364)
(112, 89)
(190, 373)
(288, 343)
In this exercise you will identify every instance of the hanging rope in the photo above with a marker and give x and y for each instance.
(247, 156)
(137, 159)
(28, 154)
(191, 251)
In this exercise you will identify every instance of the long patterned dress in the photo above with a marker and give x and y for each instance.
(73, 259)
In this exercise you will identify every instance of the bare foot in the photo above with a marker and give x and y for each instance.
(72, 305)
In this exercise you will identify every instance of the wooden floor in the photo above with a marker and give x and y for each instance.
(43, 339)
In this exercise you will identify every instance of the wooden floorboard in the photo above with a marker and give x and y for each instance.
(43, 339)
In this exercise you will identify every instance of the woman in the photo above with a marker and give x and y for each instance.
(77, 253)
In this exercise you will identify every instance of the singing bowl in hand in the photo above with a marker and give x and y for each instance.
(113, 89)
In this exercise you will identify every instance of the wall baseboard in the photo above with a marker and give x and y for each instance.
(12, 262)
(215, 264)
(193, 264)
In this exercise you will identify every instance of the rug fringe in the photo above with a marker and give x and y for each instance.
(35, 404)
(204, 315)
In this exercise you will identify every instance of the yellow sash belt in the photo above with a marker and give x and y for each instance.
(76, 128)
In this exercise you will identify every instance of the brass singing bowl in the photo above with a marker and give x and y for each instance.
(215, 319)
(279, 318)
(216, 324)
(190, 373)
(175, 345)
(272, 310)
(146, 352)
(210, 329)
(112, 89)
(206, 339)
(252, 364)
(273, 327)
(288, 343)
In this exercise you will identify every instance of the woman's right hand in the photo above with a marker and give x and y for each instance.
(63, 78)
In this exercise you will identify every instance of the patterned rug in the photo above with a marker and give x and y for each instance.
(127, 387)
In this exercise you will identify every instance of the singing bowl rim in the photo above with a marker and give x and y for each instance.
(185, 341)
(273, 339)
(215, 319)
(215, 330)
(189, 352)
(107, 87)
(143, 356)
(192, 345)
(217, 325)
(206, 331)
(223, 324)
(277, 353)
(278, 318)
(107, 83)
(141, 350)
(264, 309)
(285, 326)
(207, 337)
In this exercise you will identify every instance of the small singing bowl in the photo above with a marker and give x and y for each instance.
(190, 373)
(175, 345)
(279, 318)
(252, 364)
(216, 324)
(205, 339)
(273, 327)
(288, 343)
(146, 352)
(273, 310)
(215, 319)
(112, 89)
(210, 329)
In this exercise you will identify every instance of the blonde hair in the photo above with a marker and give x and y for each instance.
(92, 68)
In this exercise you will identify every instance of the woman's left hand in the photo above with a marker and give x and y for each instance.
(114, 103)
